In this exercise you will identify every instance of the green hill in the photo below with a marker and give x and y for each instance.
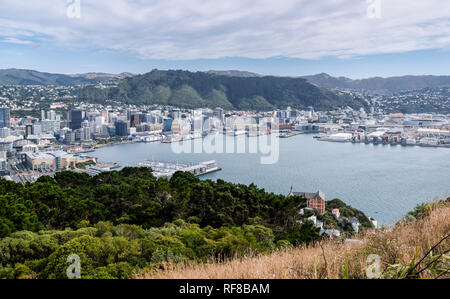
(380, 85)
(197, 90)
(29, 77)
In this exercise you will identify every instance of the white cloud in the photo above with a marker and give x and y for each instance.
(191, 29)
(12, 40)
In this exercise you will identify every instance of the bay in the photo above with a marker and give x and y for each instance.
(383, 181)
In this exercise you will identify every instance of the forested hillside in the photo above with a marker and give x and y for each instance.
(197, 90)
(29, 77)
(380, 85)
(123, 222)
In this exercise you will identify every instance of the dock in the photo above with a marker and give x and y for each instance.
(167, 169)
(290, 134)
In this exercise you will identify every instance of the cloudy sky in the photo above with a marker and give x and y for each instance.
(354, 38)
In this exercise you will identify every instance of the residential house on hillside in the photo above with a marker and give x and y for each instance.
(316, 201)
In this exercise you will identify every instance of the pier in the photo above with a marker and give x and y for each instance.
(167, 170)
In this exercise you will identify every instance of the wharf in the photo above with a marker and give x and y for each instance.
(167, 170)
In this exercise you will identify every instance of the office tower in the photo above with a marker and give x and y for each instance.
(4, 132)
(50, 126)
(37, 129)
(168, 125)
(219, 113)
(51, 115)
(122, 128)
(5, 117)
(28, 130)
(176, 114)
(76, 118)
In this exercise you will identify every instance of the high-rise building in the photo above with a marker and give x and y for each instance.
(167, 127)
(137, 119)
(37, 129)
(4, 132)
(105, 115)
(86, 134)
(122, 128)
(50, 126)
(5, 117)
(28, 130)
(176, 113)
(70, 137)
(219, 113)
(51, 115)
(76, 118)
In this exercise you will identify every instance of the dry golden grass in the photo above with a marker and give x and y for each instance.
(402, 244)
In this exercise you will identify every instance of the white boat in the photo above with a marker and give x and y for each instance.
(238, 133)
(410, 141)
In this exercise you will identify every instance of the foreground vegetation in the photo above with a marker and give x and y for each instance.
(416, 247)
(123, 223)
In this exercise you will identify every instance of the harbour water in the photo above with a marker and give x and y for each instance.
(383, 181)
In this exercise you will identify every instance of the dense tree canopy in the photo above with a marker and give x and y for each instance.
(120, 222)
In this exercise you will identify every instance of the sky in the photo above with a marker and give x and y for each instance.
(352, 38)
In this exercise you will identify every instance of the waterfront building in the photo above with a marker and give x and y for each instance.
(340, 137)
(167, 125)
(121, 128)
(219, 113)
(137, 119)
(176, 114)
(38, 161)
(52, 160)
(111, 131)
(95, 170)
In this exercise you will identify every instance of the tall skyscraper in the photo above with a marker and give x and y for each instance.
(167, 126)
(5, 117)
(76, 118)
(122, 128)
(28, 130)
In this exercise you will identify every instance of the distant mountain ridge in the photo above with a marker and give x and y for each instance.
(234, 73)
(103, 76)
(380, 85)
(31, 77)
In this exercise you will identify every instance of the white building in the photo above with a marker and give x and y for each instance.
(336, 213)
(341, 137)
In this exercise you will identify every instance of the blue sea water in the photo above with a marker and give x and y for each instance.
(383, 181)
